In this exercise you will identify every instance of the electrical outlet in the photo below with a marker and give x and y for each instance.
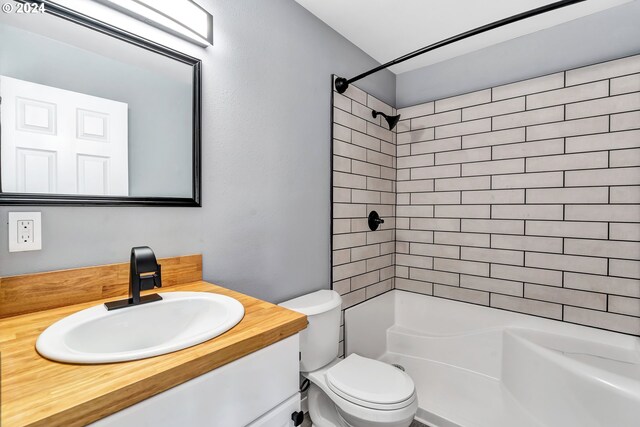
(25, 231)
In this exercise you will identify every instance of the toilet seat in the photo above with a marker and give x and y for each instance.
(370, 383)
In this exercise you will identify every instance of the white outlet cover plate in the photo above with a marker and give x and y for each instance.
(14, 244)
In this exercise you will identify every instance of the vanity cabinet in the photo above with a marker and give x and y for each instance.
(257, 390)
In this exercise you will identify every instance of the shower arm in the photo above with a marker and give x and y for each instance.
(342, 84)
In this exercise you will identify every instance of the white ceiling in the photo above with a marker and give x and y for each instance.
(387, 29)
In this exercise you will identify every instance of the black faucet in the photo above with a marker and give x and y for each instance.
(144, 273)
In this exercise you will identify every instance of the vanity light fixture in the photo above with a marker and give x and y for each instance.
(182, 18)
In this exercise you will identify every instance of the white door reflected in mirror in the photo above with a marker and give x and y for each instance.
(62, 142)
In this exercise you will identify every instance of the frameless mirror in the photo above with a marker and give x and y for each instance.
(93, 115)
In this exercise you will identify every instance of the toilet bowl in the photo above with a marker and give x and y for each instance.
(352, 392)
(363, 393)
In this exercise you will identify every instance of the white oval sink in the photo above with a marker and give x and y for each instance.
(180, 320)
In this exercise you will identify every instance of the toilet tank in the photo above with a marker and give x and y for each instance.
(319, 341)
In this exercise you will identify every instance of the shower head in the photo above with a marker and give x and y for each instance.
(392, 120)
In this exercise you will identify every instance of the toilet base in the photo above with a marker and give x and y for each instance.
(322, 411)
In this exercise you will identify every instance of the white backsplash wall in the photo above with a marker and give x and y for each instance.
(364, 174)
(523, 197)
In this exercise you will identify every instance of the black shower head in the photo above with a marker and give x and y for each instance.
(392, 120)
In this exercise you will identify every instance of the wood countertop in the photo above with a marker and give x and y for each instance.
(38, 392)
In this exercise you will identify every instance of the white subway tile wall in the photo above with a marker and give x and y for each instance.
(525, 197)
(364, 179)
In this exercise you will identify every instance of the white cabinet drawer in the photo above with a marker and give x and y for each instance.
(280, 416)
(233, 395)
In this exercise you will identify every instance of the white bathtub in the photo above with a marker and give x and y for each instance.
(479, 367)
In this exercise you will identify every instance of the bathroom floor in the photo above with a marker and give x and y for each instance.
(307, 422)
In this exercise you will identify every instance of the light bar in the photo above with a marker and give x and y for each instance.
(183, 18)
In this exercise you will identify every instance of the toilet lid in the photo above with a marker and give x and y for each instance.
(363, 380)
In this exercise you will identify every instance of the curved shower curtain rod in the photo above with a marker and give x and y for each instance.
(342, 84)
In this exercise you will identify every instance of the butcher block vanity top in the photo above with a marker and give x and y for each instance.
(38, 392)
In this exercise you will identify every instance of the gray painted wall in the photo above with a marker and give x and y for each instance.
(159, 106)
(264, 225)
(603, 36)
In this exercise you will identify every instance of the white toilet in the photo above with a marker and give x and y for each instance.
(351, 392)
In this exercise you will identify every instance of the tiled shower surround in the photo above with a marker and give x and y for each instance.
(364, 175)
(523, 197)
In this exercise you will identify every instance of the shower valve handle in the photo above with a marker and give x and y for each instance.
(374, 220)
